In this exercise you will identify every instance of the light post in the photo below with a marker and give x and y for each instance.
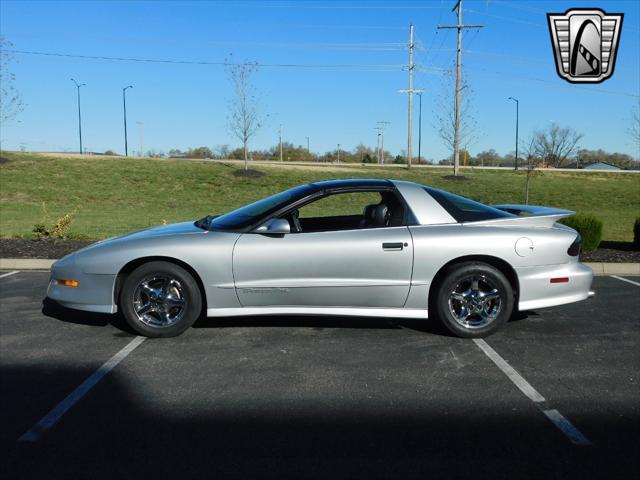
(78, 85)
(124, 104)
(517, 119)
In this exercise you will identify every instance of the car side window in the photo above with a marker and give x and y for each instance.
(340, 205)
(348, 211)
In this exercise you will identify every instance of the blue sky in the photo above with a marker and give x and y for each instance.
(185, 105)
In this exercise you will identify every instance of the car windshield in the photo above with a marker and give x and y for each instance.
(250, 214)
(464, 209)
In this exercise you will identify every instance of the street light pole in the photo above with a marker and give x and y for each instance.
(517, 120)
(78, 85)
(124, 104)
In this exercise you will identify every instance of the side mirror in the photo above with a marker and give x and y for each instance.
(275, 226)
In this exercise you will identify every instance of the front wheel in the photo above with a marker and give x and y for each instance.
(160, 299)
(474, 300)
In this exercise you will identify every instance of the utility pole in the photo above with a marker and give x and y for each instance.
(410, 95)
(419, 92)
(78, 85)
(410, 91)
(124, 104)
(308, 151)
(338, 153)
(378, 145)
(141, 131)
(381, 127)
(517, 119)
(280, 140)
(456, 139)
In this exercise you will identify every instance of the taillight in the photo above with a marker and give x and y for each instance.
(574, 249)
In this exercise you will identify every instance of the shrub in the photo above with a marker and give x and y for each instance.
(57, 229)
(636, 233)
(589, 228)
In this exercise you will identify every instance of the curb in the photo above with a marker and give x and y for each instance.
(45, 264)
(614, 268)
(25, 264)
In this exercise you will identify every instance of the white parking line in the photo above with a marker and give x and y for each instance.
(567, 427)
(625, 280)
(9, 274)
(518, 380)
(51, 418)
(564, 425)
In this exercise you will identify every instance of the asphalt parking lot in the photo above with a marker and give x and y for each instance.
(319, 397)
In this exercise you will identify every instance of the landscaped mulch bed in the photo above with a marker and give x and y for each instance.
(22, 248)
(615, 252)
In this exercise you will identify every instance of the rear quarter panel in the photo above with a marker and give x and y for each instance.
(437, 245)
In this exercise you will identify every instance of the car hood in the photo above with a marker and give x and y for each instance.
(182, 228)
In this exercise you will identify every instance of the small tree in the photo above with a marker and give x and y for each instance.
(221, 151)
(488, 158)
(10, 101)
(445, 117)
(200, 152)
(533, 161)
(244, 120)
(556, 144)
(634, 129)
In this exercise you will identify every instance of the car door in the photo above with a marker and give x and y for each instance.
(356, 267)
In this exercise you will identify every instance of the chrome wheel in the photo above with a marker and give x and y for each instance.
(475, 302)
(159, 301)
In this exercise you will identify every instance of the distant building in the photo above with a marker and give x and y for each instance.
(600, 166)
(594, 166)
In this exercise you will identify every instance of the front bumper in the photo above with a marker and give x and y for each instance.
(94, 293)
(536, 290)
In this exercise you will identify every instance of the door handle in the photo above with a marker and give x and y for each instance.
(394, 246)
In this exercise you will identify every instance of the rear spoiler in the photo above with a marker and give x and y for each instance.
(527, 216)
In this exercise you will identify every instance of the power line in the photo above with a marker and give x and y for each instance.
(202, 62)
(326, 6)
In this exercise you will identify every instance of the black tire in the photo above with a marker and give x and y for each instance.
(487, 308)
(160, 299)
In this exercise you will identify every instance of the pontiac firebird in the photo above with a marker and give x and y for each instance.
(364, 247)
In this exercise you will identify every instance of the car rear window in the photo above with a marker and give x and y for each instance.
(464, 209)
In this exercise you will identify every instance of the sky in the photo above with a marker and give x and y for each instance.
(329, 71)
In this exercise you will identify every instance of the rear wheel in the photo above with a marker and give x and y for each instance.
(474, 300)
(160, 299)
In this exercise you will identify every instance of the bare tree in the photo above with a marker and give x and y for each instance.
(244, 119)
(556, 144)
(10, 101)
(221, 151)
(634, 129)
(533, 161)
(444, 114)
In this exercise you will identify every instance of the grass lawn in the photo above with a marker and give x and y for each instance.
(115, 195)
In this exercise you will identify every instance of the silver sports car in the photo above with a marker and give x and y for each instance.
(381, 248)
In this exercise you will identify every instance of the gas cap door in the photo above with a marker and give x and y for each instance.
(524, 247)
